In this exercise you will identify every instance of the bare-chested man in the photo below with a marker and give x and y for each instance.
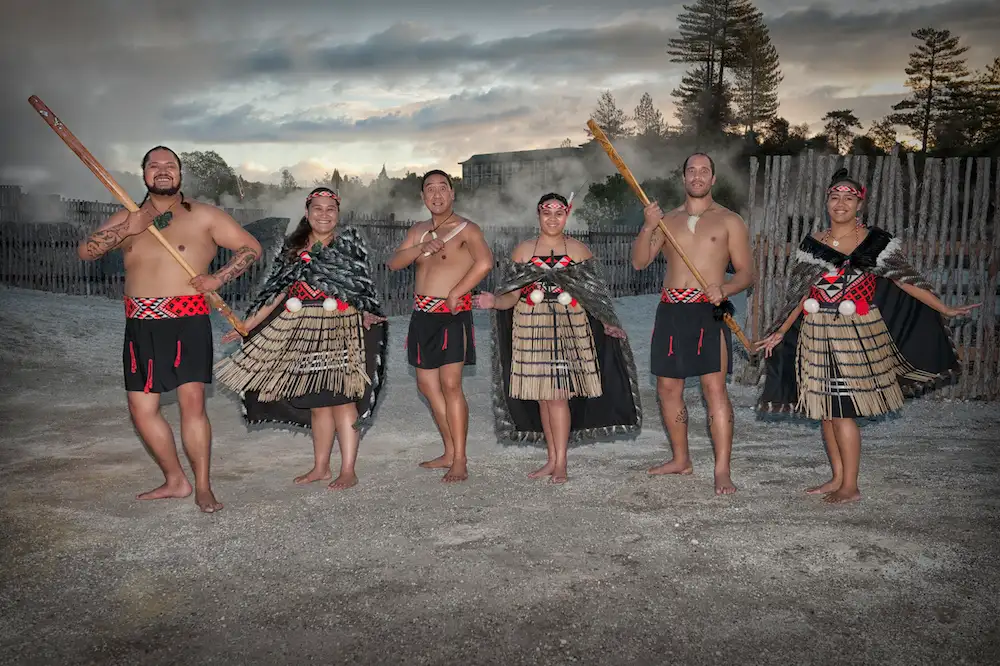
(452, 257)
(689, 337)
(168, 335)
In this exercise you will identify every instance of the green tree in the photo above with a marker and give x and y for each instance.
(648, 119)
(711, 40)
(970, 122)
(839, 128)
(288, 183)
(756, 78)
(937, 62)
(701, 108)
(611, 119)
(882, 134)
(207, 176)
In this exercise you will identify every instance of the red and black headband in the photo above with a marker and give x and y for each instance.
(554, 204)
(849, 188)
(322, 193)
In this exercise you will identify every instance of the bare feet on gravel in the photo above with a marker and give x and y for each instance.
(312, 476)
(344, 481)
(174, 488)
(457, 472)
(843, 496)
(673, 467)
(545, 470)
(206, 501)
(441, 462)
(724, 484)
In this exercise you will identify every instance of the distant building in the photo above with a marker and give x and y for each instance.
(496, 170)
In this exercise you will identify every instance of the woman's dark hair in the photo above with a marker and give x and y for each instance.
(549, 197)
(300, 234)
(180, 167)
(841, 176)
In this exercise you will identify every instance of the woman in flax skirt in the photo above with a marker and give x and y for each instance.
(562, 366)
(871, 332)
(317, 362)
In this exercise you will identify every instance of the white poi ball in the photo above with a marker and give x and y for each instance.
(537, 296)
(811, 305)
(330, 304)
(293, 304)
(564, 298)
(847, 308)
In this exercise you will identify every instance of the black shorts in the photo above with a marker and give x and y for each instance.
(440, 337)
(686, 341)
(168, 342)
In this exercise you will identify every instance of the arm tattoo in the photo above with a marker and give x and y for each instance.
(102, 242)
(242, 260)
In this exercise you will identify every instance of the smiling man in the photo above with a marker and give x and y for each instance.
(689, 337)
(452, 258)
(168, 334)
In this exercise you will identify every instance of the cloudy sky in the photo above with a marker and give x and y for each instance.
(317, 84)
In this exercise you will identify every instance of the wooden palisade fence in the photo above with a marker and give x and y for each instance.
(946, 217)
(43, 256)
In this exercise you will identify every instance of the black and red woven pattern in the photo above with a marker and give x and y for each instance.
(166, 307)
(683, 296)
(552, 261)
(302, 291)
(435, 305)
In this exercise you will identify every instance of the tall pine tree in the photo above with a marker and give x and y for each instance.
(970, 113)
(756, 79)
(882, 134)
(839, 128)
(937, 62)
(648, 119)
(700, 108)
(711, 39)
(610, 118)
(988, 94)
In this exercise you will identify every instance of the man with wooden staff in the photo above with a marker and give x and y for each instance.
(452, 258)
(689, 337)
(168, 333)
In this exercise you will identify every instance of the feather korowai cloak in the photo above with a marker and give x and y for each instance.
(618, 410)
(919, 331)
(341, 270)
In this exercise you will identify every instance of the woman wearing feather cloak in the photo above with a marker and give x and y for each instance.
(563, 369)
(319, 361)
(871, 331)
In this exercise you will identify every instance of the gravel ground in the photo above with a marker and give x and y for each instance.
(612, 568)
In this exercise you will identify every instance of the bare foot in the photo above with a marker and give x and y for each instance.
(545, 470)
(828, 487)
(344, 481)
(724, 484)
(672, 467)
(206, 501)
(843, 496)
(313, 475)
(170, 489)
(441, 462)
(559, 475)
(456, 473)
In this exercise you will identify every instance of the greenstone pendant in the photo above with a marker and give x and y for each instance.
(161, 221)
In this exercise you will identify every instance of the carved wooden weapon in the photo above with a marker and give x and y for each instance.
(109, 182)
(634, 184)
